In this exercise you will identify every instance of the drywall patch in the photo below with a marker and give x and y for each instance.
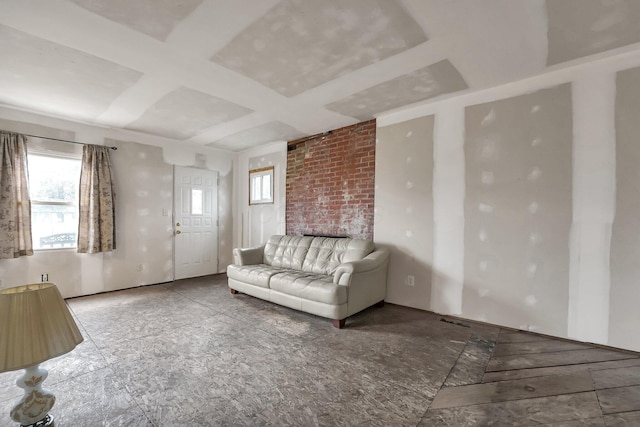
(428, 82)
(521, 202)
(268, 132)
(309, 40)
(145, 16)
(578, 28)
(489, 118)
(488, 177)
(184, 112)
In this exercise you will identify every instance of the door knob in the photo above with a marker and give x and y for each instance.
(177, 224)
(178, 231)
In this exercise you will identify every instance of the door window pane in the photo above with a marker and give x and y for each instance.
(196, 202)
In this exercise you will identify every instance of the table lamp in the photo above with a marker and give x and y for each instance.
(35, 326)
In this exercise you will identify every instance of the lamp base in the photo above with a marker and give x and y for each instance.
(45, 422)
(34, 406)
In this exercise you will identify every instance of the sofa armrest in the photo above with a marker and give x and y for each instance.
(248, 256)
(375, 260)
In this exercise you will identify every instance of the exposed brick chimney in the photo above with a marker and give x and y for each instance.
(330, 183)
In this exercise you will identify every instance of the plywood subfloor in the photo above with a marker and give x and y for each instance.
(535, 380)
(189, 353)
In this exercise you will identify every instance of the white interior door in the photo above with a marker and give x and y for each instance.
(195, 222)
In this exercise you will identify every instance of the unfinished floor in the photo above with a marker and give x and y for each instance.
(189, 353)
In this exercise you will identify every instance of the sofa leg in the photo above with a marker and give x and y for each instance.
(338, 323)
(380, 303)
(233, 291)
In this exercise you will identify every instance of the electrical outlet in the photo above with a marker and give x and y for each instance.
(140, 267)
(44, 277)
(410, 281)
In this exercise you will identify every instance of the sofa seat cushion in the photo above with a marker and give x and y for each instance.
(257, 275)
(309, 286)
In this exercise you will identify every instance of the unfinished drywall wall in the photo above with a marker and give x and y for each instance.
(252, 224)
(593, 94)
(143, 178)
(143, 186)
(225, 220)
(518, 210)
(404, 208)
(330, 183)
(144, 201)
(547, 169)
(264, 219)
(625, 240)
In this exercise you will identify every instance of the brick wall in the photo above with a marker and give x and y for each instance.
(330, 183)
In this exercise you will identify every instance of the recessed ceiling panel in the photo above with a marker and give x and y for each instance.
(425, 83)
(43, 76)
(298, 44)
(579, 28)
(151, 17)
(184, 112)
(269, 132)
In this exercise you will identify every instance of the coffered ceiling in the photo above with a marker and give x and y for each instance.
(234, 74)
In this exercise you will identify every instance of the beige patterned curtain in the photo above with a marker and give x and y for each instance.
(96, 228)
(15, 204)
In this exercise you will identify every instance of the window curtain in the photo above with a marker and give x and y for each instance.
(15, 204)
(96, 228)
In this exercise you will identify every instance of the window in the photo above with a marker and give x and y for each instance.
(261, 186)
(53, 187)
(196, 202)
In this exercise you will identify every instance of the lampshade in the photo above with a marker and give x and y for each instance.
(35, 325)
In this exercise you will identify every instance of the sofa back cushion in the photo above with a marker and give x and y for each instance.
(287, 251)
(326, 253)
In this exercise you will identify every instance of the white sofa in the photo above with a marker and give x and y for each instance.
(325, 276)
